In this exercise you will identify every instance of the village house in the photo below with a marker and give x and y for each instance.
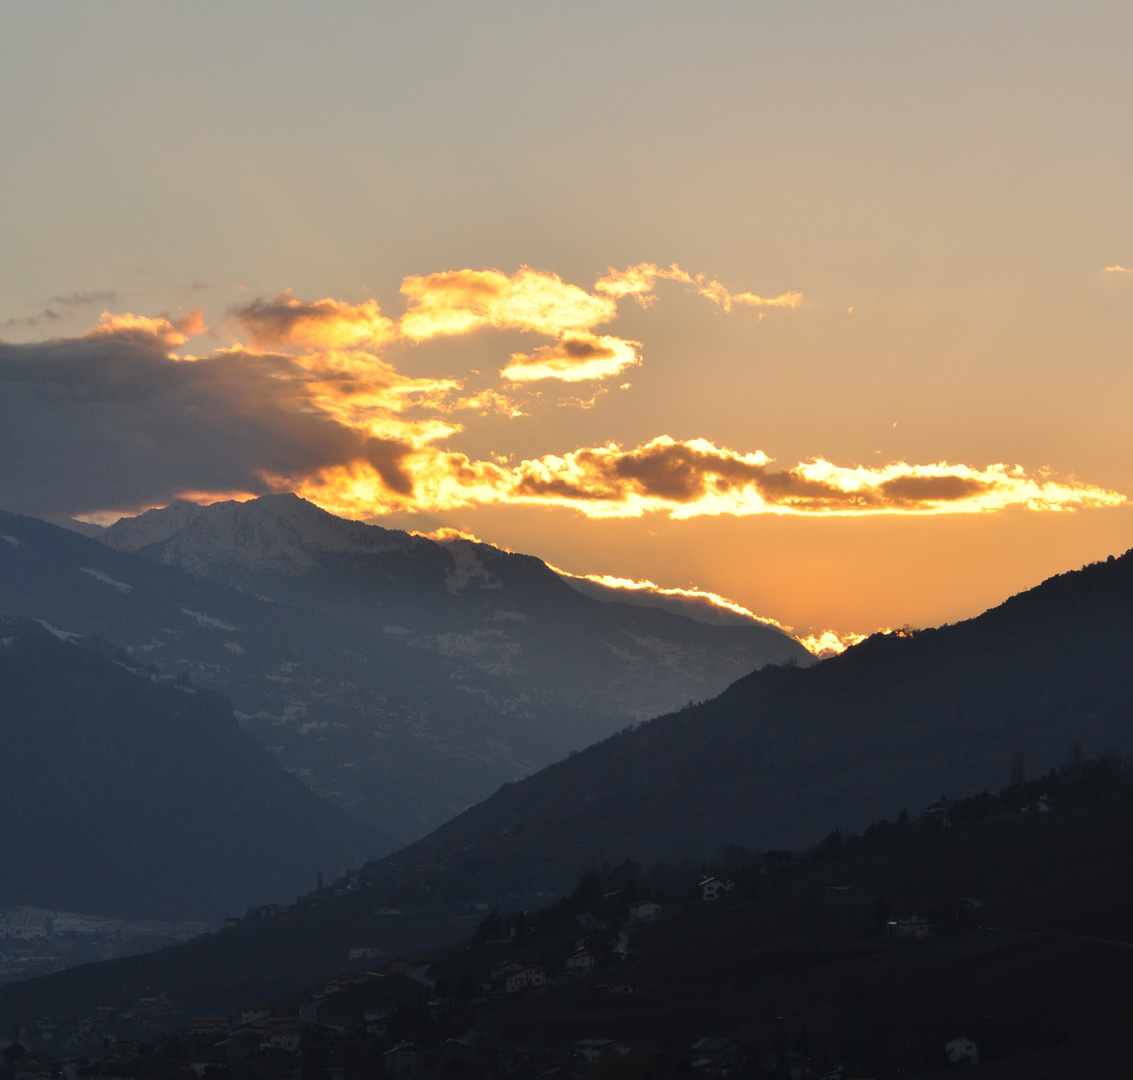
(645, 911)
(712, 889)
(940, 811)
(208, 1025)
(285, 1040)
(252, 1014)
(580, 962)
(532, 975)
(406, 1061)
(914, 929)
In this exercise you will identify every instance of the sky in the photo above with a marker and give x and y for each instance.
(822, 308)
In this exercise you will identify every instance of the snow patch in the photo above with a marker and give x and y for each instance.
(467, 569)
(12, 540)
(106, 579)
(234, 648)
(62, 635)
(208, 620)
(393, 628)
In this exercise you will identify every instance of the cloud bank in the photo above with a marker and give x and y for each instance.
(302, 399)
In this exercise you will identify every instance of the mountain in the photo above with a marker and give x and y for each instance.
(127, 792)
(782, 757)
(403, 678)
(786, 753)
(427, 673)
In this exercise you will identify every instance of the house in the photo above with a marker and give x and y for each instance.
(712, 889)
(590, 1050)
(532, 975)
(252, 1014)
(961, 1051)
(580, 962)
(406, 1061)
(285, 1040)
(208, 1025)
(645, 911)
(914, 929)
(940, 811)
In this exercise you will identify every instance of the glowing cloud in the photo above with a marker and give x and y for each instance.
(323, 324)
(128, 327)
(460, 301)
(1117, 268)
(310, 406)
(830, 642)
(639, 282)
(690, 479)
(574, 359)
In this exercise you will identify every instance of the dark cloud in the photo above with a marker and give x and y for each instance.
(82, 299)
(110, 421)
(19, 322)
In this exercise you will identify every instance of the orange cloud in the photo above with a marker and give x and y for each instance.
(137, 327)
(191, 323)
(574, 359)
(1117, 268)
(322, 324)
(390, 430)
(460, 301)
(690, 479)
(831, 642)
(639, 282)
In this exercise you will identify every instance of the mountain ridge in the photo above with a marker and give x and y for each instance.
(689, 783)
(405, 678)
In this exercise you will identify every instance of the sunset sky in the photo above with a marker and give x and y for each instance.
(827, 309)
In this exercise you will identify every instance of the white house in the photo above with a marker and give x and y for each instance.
(645, 911)
(713, 889)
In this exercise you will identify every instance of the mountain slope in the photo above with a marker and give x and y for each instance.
(128, 793)
(778, 760)
(481, 665)
(787, 753)
(403, 678)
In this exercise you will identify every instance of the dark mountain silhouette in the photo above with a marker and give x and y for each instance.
(786, 753)
(126, 792)
(779, 759)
